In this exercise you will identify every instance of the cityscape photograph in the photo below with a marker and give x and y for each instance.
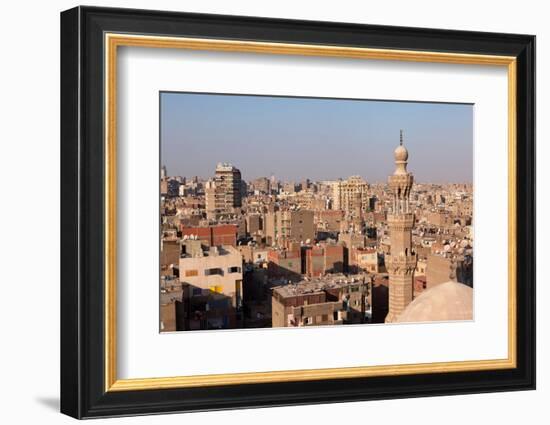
(283, 211)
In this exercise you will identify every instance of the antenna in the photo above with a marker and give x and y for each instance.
(401, 137)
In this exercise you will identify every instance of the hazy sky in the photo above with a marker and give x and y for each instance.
(322, 139)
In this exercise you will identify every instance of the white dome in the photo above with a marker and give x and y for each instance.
(444, 302)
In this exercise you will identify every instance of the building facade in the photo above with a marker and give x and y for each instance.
(211, 278)
(335, 300)
(295, 225)
(224, 192)
(350, 194)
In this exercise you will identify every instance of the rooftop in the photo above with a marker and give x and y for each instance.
(320, 284)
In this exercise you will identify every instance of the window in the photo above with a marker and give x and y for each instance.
(189, 273)
(308, 320)
(214, 271)
(324, 318)
(234, 269)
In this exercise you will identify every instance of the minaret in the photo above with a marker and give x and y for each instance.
(401, 261)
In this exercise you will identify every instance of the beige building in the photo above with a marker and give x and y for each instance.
(365, 259)
(347, 194)
(217, 269)
(223, 192)
(334, 301)
(296, 225)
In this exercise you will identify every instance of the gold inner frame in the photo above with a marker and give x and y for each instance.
(113, 41)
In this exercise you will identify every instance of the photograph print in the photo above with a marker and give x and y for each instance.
(296, 212)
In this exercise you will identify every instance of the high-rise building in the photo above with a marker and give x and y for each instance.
(401, 261)
(261, 185)
(223, 192)
(347, 192)
(295, 225)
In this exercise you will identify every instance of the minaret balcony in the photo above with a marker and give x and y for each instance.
(401, 264)
(403, 220)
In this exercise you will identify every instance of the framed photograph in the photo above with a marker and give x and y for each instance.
(261, 212)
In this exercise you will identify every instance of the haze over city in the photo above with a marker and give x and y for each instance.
(319, 139)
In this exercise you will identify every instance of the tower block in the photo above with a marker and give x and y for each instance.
(401, 261)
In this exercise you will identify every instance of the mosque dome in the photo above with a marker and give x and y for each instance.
(401, 153)
(444, 302)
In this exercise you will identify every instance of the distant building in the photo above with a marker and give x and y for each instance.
(329, 220)
(261, 185)
(323, 259)
(169, 187)
(347, 192)
(296, 225)
(286, 264)
(365, 259)
(169, 251)
(254, 224)
(440, 219)
(224, 192)
(441, 268)
(220, 234)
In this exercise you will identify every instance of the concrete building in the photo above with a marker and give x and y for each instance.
(285, 264)
(169, 187)
(224, 192)
(254, 224)
(261, 185)
(323, 259)
(334, 300)
(347, 192)
(295, 225)
(443, 267)
(365, 259)
(401, 261)
(221, 234)
(212, 279)
(169, 251)
(329, 220)
(171, 304)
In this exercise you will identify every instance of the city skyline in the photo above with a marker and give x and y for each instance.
(241, 129)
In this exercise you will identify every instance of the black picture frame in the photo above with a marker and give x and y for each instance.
(83, 392)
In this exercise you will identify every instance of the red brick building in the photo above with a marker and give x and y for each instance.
(223, 234)
(283, 263)
(323, 259)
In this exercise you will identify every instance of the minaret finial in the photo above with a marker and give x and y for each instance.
(401, 137)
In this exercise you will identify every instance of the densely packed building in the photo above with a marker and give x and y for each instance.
(268, 252)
